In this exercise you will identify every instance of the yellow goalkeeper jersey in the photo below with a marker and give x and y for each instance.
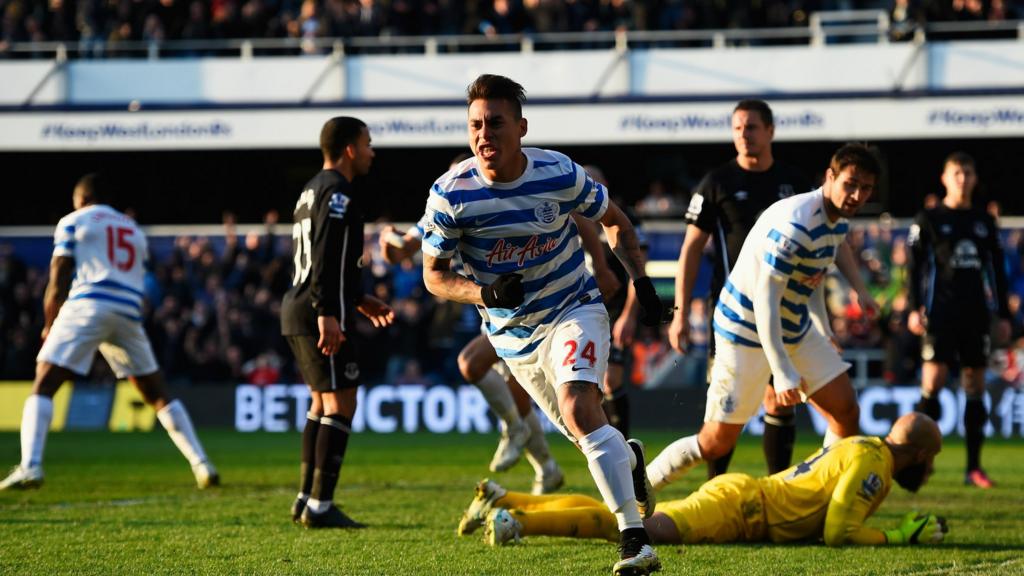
(831, 493)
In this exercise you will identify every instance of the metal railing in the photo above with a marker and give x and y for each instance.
(824, 28)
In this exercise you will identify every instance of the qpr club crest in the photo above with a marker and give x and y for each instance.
(351, 371)
(728, 405)
(546, 212)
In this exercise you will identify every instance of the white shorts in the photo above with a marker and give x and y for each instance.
(575, 350)
(740, 373)
(83, 326)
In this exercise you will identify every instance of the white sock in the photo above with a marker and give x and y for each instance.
(537, 451)
(175, 420)
(608, 458)
(498, 397)
(35, 424)
(674, 461)
(830, 438)
(318, 506)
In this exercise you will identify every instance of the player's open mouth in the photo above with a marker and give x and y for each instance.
(487, 151)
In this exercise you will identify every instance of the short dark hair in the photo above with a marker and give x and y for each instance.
(961, 159)
(759, 106)
(857, 155)
(94, 187)
(338, 133)
(494, 87)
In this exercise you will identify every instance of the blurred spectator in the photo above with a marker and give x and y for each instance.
(659, 203)
(504, 17)
(905, 17)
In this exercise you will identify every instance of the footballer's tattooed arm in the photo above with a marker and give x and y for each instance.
(441, 281)
(623, 241)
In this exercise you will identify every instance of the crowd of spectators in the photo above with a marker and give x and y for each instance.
(101, 24)
(215, 304)
(213, 314)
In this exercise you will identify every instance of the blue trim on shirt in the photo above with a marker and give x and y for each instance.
(442, 244)
(468, 195)
(519, 241)
(735, 317)
(799, 288)
(572, 263)
(596, 205)
(796, 339)
(778, 263)
(808, 270)
(733, 337)
(108, 283)
(799, 309)
(821, 230)
(739, 296)
(509, 353)
(108, 298)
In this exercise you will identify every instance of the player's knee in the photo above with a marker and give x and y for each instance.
(151, 387)
(468, 366)
(49, 379)
(973, 380)
(341, 402)
(715, 442)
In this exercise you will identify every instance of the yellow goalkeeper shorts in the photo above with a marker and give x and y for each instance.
(727, 508)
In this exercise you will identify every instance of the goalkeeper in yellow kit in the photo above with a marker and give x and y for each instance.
(828, 496)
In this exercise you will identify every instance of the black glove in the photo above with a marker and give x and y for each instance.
(505, 292)
(652, 312)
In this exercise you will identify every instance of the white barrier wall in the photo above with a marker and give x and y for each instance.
(204, 80)
(776, 69)
(607, 73)
(972, 64)
(445, 77)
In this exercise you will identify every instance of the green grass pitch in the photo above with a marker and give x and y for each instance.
(125, 504)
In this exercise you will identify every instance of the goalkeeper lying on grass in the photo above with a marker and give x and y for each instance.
(828, 496)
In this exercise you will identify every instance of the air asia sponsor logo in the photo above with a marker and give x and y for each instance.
(93, 132)
(508, 252)
(706, 122)
(977, 118)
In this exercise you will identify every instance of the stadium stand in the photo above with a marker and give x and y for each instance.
(104, 27)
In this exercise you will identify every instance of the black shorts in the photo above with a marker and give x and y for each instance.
(325, 373)
(967, 345)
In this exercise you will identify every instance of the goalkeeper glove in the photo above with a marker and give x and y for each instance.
(505, 292)
(652, 311)
(919, 529)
